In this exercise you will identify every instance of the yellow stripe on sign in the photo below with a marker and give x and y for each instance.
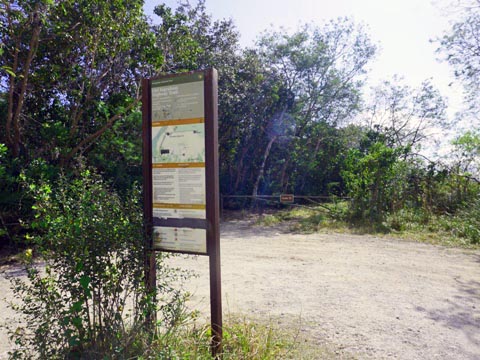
(178, 122)
(179, 206)
(178, 165)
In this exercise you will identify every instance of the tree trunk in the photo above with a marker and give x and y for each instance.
(262, 167)
(18, 90)
(284, 178)
(240, 170)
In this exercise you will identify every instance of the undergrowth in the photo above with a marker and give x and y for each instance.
(243, 338)
(461, 229)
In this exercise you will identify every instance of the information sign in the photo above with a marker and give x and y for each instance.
(178, 162)
(180, 171)
(179, 113)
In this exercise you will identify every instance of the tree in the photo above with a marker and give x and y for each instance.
(81, 63)
(21, 28)
(322, 67)
(250, 113)
(406, 115)
(467, 149)
(69, 71)
(461, 49)
(386, 172)
(190, 39)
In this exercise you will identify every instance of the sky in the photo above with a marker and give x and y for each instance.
(402, 29)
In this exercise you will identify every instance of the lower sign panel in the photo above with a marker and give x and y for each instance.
(180, 239)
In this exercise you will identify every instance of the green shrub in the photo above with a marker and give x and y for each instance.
(372, 178)
(467, 224)
(90, 300)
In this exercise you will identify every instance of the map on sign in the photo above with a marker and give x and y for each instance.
(178, 143)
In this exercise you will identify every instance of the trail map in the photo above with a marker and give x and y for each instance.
(178, 144)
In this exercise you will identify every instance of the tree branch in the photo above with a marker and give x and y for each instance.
(15, 121)
(85, 142)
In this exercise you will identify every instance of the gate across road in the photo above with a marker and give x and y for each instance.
(280, 200)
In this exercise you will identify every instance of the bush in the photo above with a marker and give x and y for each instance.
(90, 301)
(468, 223)
(371, 180)
(11, 200)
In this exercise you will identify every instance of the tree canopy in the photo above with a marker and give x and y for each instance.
(293, 115)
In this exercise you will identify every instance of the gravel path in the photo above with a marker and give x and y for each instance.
(373, 298)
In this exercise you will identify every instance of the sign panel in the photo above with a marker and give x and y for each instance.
(180, 239)
(287, 198)
(178, 163)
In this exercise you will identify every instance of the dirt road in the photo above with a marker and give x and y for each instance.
(372, 298)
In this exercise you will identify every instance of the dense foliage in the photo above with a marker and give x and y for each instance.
(292, 115)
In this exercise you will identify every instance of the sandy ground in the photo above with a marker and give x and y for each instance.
(373, 298)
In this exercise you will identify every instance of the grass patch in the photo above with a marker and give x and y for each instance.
(242, 339)
(324, 217)
(308, 216)
(275, 217)
(320, 223)
(270, 219)
(447, 230)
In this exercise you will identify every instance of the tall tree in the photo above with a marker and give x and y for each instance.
(323, 68)
(405, 115)
(21, 25)
(250, 115)
(71, 70)
(460, 47)
(190, 39)
(249, 94)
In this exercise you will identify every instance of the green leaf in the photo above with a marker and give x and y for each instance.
(77, 322)
(8, 70)
(85, 282)
(77, 306)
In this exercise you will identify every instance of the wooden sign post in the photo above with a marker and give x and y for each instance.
(181, 176)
